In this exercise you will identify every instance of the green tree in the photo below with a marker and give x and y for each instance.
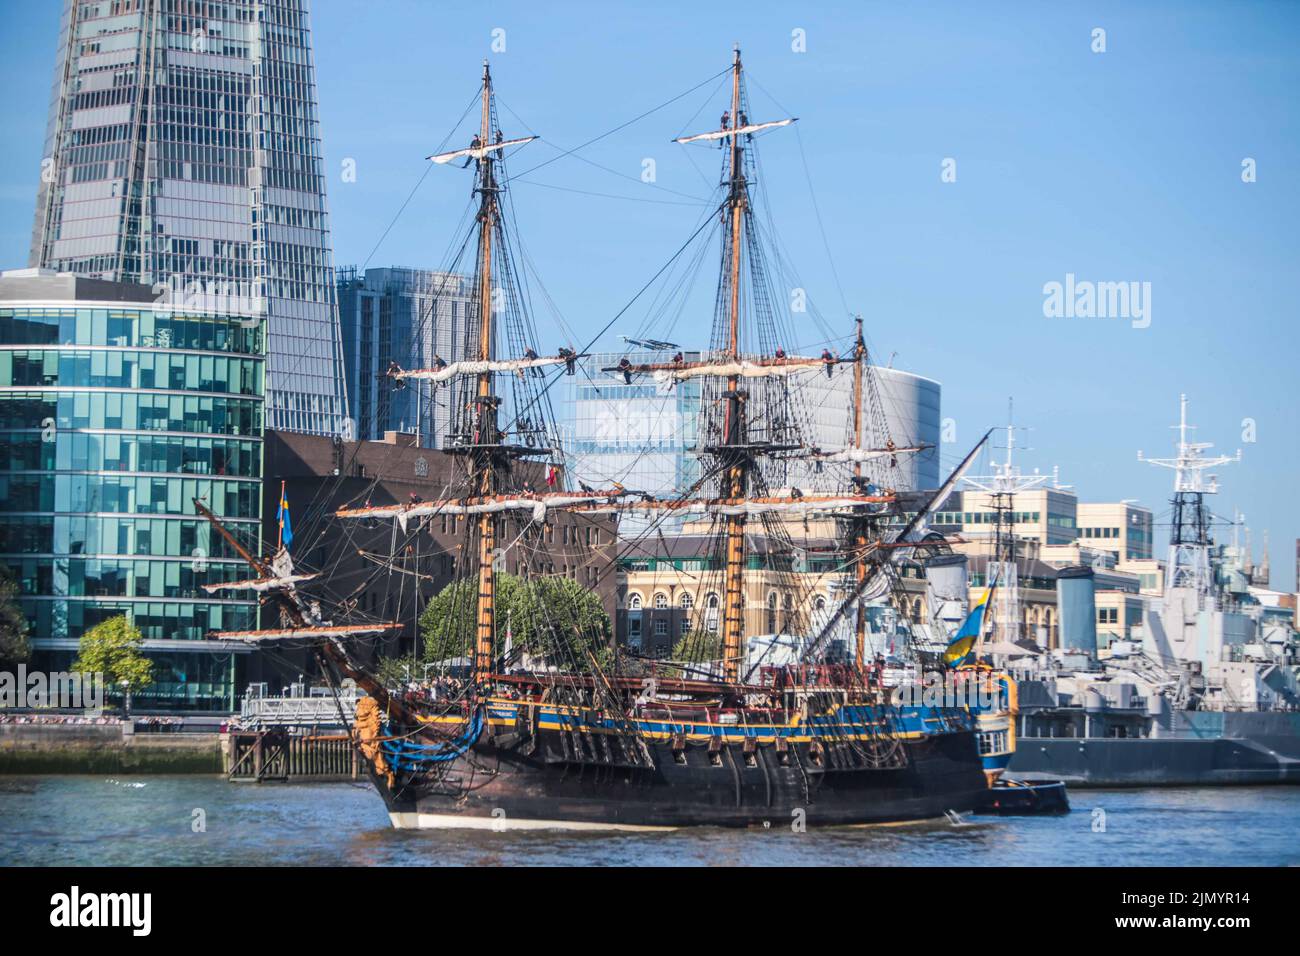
(553, 618)
(14, 647)
(112, 648)
(699, 648)
(396, 672)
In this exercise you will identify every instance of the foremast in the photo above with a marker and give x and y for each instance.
(735, 459)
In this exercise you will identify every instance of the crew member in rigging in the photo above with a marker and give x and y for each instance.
(570, 359)
(474, 143)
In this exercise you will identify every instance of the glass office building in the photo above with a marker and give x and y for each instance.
(640, 434)
(407, 316)
(115, 414)
(183, 150)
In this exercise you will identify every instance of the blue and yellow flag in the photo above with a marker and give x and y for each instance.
(286, 529)
(963, 644)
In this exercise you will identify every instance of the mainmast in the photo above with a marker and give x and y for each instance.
(737, 474)
(485, 432)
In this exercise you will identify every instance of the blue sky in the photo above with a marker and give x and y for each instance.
(1117, 166)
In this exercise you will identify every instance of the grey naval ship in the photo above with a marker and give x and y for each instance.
(1206, 691)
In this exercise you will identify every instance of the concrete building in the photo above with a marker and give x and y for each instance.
(670, 586)
(407, 316)
(183, 151)
(1045, 515)
(909, 403)
(1122, 527)
(116, 412)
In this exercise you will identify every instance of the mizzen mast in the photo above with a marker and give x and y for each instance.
(859, 524)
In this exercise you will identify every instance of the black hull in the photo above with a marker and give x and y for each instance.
(1038, 798)
(502, 787)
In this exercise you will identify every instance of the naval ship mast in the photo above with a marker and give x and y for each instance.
(1189, 538)
(1002, 487)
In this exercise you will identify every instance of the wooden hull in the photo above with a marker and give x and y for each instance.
(500, 786)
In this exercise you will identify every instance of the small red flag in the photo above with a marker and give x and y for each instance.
(552, 475)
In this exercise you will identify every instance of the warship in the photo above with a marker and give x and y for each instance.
(1205, 692)
(553, 724)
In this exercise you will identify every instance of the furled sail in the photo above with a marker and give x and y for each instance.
(281, 578)
(478, 152)
(454, 369)
(741, 369)
(726, 368)
(738, 131)
(864, 454)
(807, 504)
(537, 504)
(310, 632)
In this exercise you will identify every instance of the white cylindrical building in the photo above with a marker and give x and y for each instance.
(909, 404)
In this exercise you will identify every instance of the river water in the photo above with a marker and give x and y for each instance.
(155, 820)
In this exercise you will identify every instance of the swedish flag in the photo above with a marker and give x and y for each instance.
(286, 528)
(968, 635)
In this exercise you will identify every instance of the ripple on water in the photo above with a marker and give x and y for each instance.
(103, 821)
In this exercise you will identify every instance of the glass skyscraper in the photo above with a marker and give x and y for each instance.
(407, 316)
(639, 433)
(115, 414)
(183, 151)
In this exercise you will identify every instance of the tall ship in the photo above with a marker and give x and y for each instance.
(548, 722)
